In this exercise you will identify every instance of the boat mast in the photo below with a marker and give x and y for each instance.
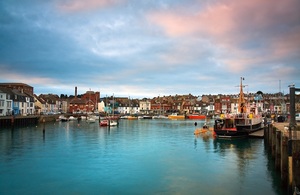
(242, 106)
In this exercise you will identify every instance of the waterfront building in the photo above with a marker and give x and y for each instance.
(101, 106)
(198, 105)
(234, 106)
(77, 105)
(52, 103)
(225, 104)
(22, 87)
(145, 106)
(20, 96)
(217, 106)
(5, 102)
(40, 105)
(63, 106)
(134, 106)
(122, 108)
(22, 104)
(86, 103)
(91, 99)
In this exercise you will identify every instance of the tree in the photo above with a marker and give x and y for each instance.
(260, 92)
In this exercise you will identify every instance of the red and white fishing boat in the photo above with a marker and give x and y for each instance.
(241, 124)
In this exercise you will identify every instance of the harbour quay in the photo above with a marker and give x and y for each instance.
(23, 121)
(283, 143)
(18, 121)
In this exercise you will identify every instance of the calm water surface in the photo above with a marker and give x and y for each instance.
(137, 157)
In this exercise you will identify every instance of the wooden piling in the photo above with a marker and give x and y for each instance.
(285, 148)
(284, 161)
(270, 137)
(266, 133)
(295, 163)
(273, 130)
(278, 150)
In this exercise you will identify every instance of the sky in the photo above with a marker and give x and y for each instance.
(150, 48)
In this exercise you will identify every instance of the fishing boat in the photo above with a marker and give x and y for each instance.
(241, 124)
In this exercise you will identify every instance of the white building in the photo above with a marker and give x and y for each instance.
(5, 103)
(145, 106)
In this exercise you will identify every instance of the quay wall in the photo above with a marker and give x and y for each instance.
(283, 142)
(18, 121)
(23, 121)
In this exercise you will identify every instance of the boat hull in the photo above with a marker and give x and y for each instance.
(196, 117)
(234, 128)
(230, 133)
(176, 117)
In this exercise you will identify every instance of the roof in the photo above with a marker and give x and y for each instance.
(21, 84)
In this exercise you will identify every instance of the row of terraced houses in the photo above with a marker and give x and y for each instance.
(19, 99)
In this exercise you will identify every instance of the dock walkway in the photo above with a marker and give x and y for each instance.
(283, 127)
(284, 145)
(257, 134)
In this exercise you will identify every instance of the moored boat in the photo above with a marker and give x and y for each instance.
(72, 118)
(113, 123)
(196, 116)
(103, 123)
(90, 120)
(107, 122)
(62, 118)
(132, 117)
(241, 124)
(147, 117)
(176, 116)
(160, 117)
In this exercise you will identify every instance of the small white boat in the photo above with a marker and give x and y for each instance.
(90, 120)
(62, 118)
(160, 117)
(72, 118)
(113, 123)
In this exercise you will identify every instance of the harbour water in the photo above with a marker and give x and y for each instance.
(137, 157)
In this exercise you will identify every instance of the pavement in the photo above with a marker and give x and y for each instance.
(284, 128)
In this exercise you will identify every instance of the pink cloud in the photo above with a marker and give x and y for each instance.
(86, 5)
(287, 44)
(229, 20)
(240, 28)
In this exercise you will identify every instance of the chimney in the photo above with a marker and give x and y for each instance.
(75, 92)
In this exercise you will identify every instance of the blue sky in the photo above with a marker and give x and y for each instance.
(150, 48)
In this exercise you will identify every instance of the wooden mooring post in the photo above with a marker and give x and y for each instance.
(285, 150)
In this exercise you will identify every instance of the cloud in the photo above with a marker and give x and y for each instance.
(87, 5)
(149, 47)
(238, 28)
(11, 76)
